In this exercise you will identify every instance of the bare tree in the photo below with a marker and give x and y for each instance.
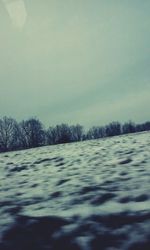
(32, 133)
(51, 136)
(128, 127)
(76, 132)
(8, 138)
(63, 133)
(96, 132)
(146, 126)
(113, 129)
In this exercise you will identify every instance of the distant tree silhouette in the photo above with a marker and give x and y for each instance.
(32, 133)
(142, 127)
(128, 127)
(63, 133)
(59, 134)
(51, 136)
(146, 126)
(113, 129)
(8, 137)
(96, 132)
(76, 132)
(139, 127)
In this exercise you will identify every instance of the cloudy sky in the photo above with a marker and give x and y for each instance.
(75, 61)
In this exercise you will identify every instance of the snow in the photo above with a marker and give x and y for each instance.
(88, 195)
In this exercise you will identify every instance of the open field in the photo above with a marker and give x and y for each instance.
(90, 195)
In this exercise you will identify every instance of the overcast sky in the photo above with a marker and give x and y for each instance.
(75, 61)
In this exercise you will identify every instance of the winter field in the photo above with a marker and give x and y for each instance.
(90, 195)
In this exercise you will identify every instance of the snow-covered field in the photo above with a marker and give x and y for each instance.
(90, 195)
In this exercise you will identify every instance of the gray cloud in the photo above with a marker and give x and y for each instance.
(77, 61)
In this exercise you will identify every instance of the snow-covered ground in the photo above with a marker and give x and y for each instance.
(90, 195)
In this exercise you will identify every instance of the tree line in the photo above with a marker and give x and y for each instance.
(31, 133)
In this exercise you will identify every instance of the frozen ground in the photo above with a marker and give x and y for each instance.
(91, 195)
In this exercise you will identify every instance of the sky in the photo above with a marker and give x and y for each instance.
(75, 61)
